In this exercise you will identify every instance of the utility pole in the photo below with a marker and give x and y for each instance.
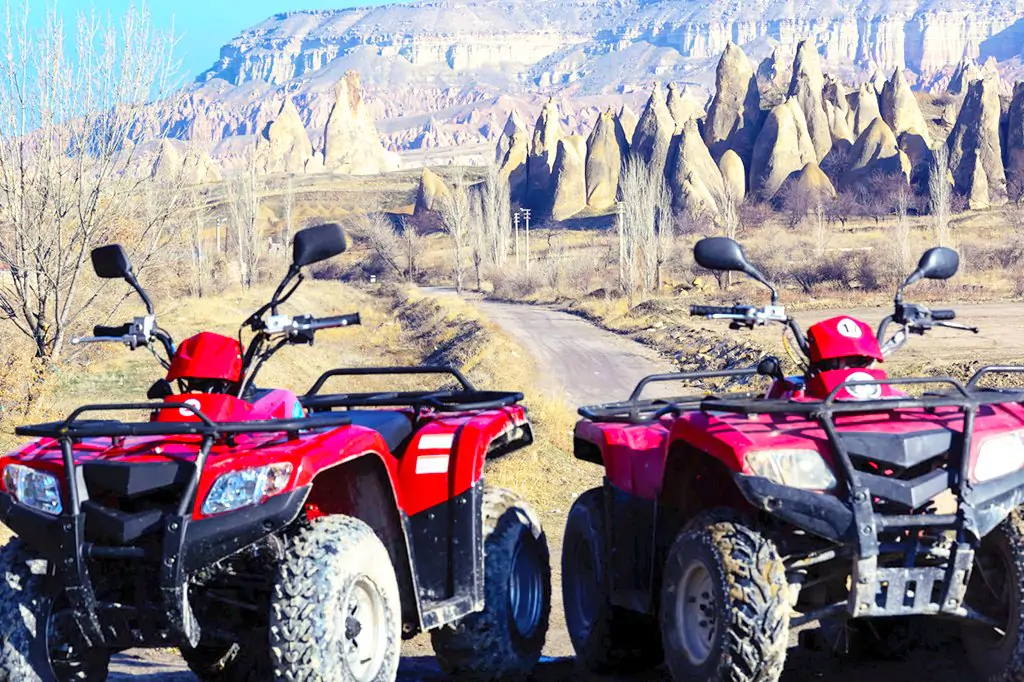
(526, 214)
(515, 221)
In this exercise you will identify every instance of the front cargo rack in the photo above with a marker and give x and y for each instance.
(464, 398)
(849, 515)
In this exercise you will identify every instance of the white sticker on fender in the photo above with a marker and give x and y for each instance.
(432, 464)
(185, 412)
(849, 328)
(436, 441)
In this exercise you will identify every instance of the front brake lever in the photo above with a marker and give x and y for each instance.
(954, 325)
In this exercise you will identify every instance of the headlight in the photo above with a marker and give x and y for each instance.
(246, 488)
(999, 456)
(33, 488)
(804, 469)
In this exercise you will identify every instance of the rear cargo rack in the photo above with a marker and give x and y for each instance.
(876, 590)
(466, 399)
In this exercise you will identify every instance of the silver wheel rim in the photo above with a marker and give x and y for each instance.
(364, 637)
(696, 617)
(525, 590)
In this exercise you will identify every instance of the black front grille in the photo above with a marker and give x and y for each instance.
(129, 500)
(902, 472)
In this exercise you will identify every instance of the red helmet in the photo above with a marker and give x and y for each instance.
(207, 356)
(842, 337)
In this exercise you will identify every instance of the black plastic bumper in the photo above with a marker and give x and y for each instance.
(821, 514)
(187, 546)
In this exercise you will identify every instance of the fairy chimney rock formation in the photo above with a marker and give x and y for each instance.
(546, 136)
(569, 179)
(606, 150)
(351, 142)
(432, 189)
(1015, 143)
(629, 121)
(784, 146)
(736, 108)
(653, 135)
(863, 109)
(900, 110)
(284, 145)
(806, 88)
(966, 73)
(876, 151)
(683, 106)
(734, 176)
(695, 180)
(975, 152)
(512, 154)
(811, 183)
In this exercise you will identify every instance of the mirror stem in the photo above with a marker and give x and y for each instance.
(292, 271)
(130, 278)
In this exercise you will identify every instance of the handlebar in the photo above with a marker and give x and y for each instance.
(309, 323)
(943, 315)
(123, 330)
(705, 310)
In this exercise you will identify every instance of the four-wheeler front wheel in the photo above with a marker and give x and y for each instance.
(724, 606)
(606, 638)
(35, 623)
(335, 612)
(996, 590)
(505, 639)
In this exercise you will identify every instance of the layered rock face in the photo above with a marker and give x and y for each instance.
(783, 147)
(735, 111)
(975, 152)
(351, 142)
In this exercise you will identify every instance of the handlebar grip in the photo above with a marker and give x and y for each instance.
(316, 323)
(943, 315)
(703, 310)
(123, 330)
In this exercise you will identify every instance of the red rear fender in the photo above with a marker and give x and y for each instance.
(633, 454)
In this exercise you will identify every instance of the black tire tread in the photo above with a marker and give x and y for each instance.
(22, 597)
(620, 640)
(756, 605)
(317, 556)
(479, 646)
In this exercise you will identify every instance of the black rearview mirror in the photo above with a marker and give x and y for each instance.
(720, 253)
(936, 263)
(111, 262)
(315, 244)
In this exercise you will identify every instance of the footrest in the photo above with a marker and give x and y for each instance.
(877, 592)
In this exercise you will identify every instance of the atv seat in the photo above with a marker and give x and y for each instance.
(394, 427)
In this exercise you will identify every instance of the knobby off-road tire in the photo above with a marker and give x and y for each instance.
(27, 598)
(997, 590)
(504, 640)
(724, 606)
(242, 661)
(335, 614)
(606, 638)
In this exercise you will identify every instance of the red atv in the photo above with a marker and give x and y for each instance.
(833, 496)
(266, 534)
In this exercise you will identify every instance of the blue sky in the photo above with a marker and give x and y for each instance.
(204, 25)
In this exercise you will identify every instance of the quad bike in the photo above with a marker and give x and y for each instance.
(267, 534)
(834, 496)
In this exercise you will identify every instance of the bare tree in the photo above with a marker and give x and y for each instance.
(820, 232)
(244, 205)
(72, 123)
(496, 217)
(380, 236)
(196, 244)
(456, 219)
(940, 194)
(412, 247)
(288, 208)
(901, 228)
(644, 227)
